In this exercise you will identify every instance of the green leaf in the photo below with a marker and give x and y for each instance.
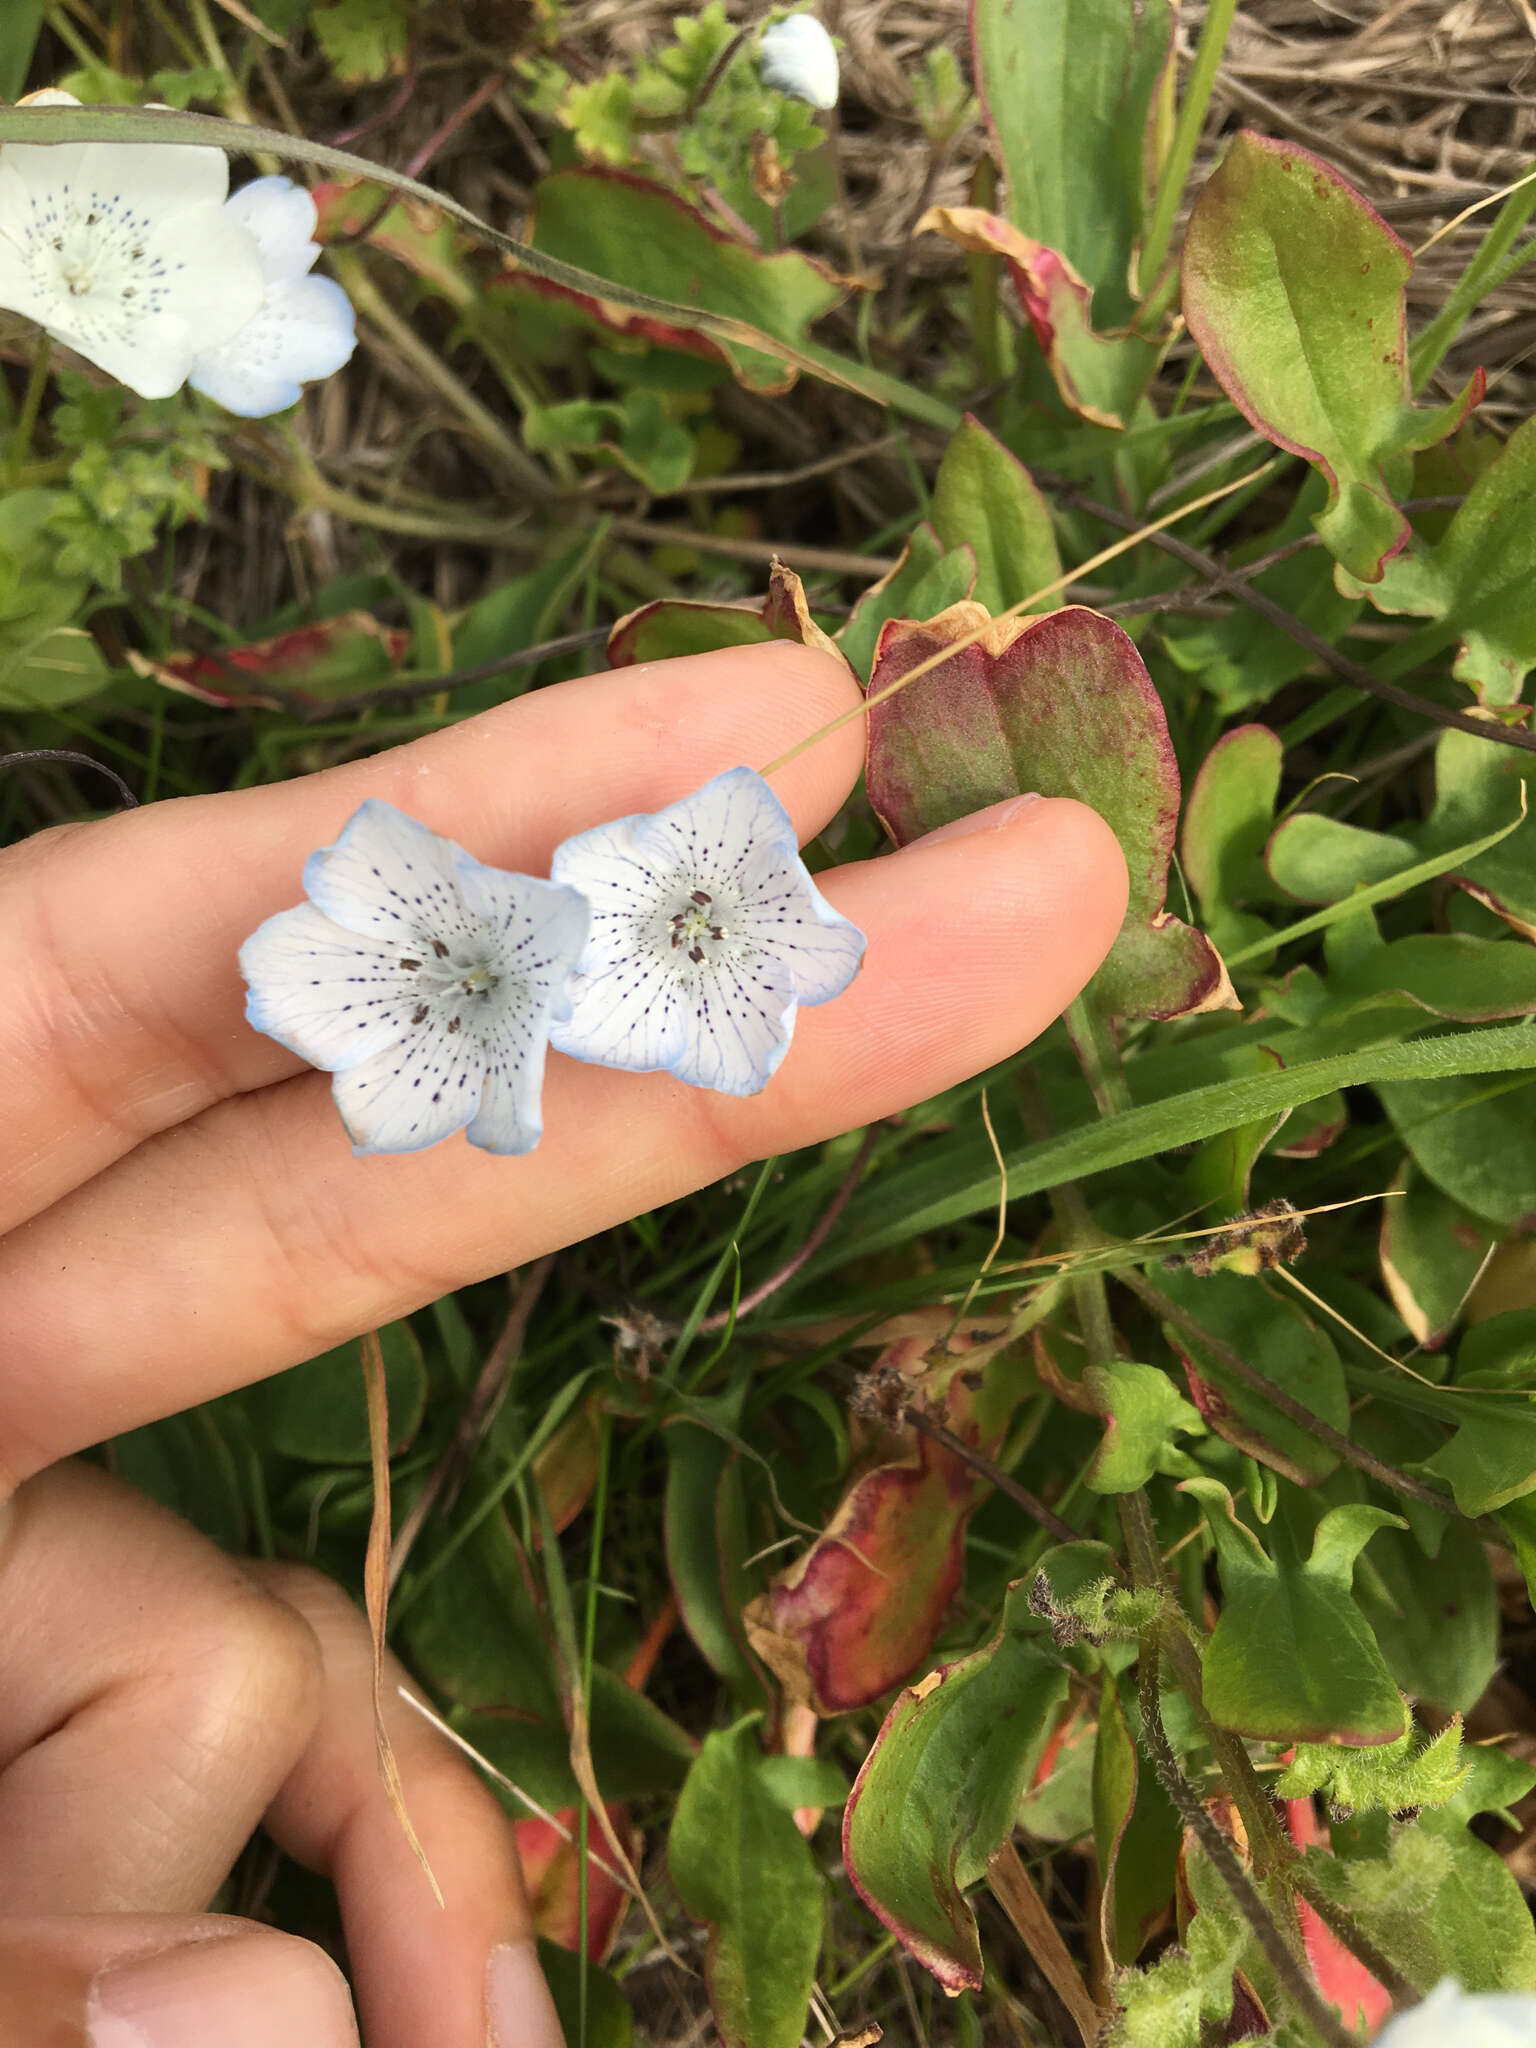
(743, 1869)
(1451, 974)
(1432, 1250)
(1136, 1832)
(52, 669)
(1142, 1411)
(1317, 859)
(623, 227)
(704, 1520)
(148, 124)
(1500, 1352)
(1061, 705)
(1292, 1658)
(364, 40)
(523, 611)
(609, 2021)
(984, 498)
(1280, 1340)
(20, 26)
(938, 1789)
(1227, 820)
(796, 1781)
(1418, 1769)
(1436, 1619)
(927, 579)
(1068, 88)
(1474, 1139)
(1480, 578)
(1294, 291)
(1491, 1460)
(1474, 785)
(1188, 1988)
(926, 1197)
(319, 1412)
(1438, 1903)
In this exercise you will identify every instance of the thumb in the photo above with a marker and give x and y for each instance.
(173, 1981)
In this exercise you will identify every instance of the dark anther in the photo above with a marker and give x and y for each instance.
(440, 949)
(419, 1014)
(696, 954)
(410, 963)
(454, 1026)
(701, 897)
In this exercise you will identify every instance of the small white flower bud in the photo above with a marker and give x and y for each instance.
(797, 56)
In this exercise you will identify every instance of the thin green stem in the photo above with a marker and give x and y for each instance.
(26, 419)
(1198, 88)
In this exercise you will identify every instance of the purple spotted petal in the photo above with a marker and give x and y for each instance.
(707, 934)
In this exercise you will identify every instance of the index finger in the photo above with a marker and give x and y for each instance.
(125, 1013)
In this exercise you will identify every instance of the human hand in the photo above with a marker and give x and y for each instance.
(180, 1212)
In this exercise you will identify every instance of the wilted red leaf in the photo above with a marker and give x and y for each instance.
(305, 667)
(853, 1616)
(670, 626)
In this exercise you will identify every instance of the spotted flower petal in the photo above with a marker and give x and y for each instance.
(707, 935)
(305, 328)
(1452, 2018)
(123, 251)
(423, 980)
(797, 56)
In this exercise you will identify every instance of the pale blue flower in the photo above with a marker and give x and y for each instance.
(125, 251)
(424, 981)
(707, 935)
(797, 56)
(1453, 2018)
(305, 327)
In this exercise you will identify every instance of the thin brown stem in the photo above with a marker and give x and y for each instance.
(1327, 656)
(822, 1230)
(1256, 1382)
(926, 1425)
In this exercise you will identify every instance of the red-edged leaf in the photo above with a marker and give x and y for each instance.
(627, 228)
(1294, 290)
(670, 626)
(305, 667)
(1100, 376)
(862, 1608)
(424, 240)
(1061, 705)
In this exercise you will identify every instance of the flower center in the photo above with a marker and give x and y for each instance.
(696, 923)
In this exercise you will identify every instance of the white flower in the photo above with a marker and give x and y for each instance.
(797, 56)
(707, 933)
(424, 981)
(1453, 2018)
(305, 327)
(123, 251)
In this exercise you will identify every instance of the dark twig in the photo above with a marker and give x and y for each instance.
(1033, 1506)
(1249, 1376)
(67, 754)
(724, 1317)
(1329, 657)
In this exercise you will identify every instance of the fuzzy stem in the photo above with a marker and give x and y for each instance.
(1288, 1968)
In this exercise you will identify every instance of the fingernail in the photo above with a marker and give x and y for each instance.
(258, 1991)
(517, 2000)
(992, 819)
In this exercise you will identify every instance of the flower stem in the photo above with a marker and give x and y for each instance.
(26, 419)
